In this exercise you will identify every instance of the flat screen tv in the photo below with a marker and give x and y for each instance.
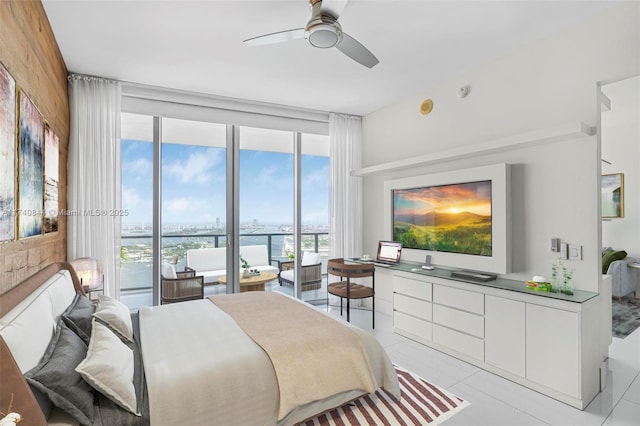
(461, 218)
(453, 218)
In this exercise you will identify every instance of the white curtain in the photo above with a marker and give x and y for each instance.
(345, 150)
(94, 175)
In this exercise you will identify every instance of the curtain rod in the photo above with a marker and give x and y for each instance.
(76, 77)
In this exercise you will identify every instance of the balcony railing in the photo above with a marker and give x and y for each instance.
(137, 254)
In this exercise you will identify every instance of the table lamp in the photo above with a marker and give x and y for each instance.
(89, 270)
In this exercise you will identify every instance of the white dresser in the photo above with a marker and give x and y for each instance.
(549, 344)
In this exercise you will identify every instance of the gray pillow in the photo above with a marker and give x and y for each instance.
(55, 375)
(78, 317)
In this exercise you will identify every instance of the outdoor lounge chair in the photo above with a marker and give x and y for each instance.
(311, 272)
(180, 286)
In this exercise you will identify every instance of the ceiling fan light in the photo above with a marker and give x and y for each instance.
(323, 35)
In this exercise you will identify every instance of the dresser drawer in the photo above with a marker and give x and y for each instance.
(460, 299)
(414, 288)
(409, 305)
(459, 320)
(415, 326)
(460, 342)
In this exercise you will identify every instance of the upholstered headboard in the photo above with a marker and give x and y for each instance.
(9, 299)
(28, 316)
(29, 312)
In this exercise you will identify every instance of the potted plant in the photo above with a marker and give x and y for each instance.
(245, 267)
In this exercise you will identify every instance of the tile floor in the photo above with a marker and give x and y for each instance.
(497, 401)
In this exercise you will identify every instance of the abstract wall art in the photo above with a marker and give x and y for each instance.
(612, 197)
(30, 169)
(51, 169)
(7, 155)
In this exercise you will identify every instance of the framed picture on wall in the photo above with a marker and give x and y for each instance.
(30, 168)
(612, 197)
(51, 169)
(7, 154)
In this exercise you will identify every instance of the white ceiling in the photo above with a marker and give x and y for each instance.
(197, 45)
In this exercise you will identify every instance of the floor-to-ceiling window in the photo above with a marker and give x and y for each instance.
(193, 188)
(314, 217)
(136, 255)
(194, 184)
(266, 189)
(267, 196)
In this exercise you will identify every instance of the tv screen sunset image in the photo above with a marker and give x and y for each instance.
(448, 218)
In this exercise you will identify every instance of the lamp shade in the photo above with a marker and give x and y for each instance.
(89, 270)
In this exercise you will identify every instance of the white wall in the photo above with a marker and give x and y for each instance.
(554, 187)
(621, 147)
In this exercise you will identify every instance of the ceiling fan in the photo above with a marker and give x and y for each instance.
(323, 31)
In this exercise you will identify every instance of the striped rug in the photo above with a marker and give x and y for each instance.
(421, 403)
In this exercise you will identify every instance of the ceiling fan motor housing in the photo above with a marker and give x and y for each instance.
(323, 35)
(322, 30)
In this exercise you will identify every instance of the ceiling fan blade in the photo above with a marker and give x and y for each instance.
(333, 7)
(356, 51)
(278, 37)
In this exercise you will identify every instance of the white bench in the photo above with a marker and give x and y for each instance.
(211, 263)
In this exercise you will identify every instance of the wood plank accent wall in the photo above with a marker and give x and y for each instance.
(29, 51)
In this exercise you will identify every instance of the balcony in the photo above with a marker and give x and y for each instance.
(136, 274)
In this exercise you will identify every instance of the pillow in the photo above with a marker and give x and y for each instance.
(55, 375)
(108, 368)
(168, 271)
(116, 315)
(310, 258)
(78, 317)
(611, 257)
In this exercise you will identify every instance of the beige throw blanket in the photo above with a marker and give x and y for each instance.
(313, 355)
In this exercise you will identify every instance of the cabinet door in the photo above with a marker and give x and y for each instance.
(552, 348)
(505, 334)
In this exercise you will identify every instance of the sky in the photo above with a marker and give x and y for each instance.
(194, 185)
(474, 197)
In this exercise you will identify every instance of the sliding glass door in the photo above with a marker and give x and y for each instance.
(193, 190)
(216, 189)
(266, 194)
(314, 211)
(136, 252)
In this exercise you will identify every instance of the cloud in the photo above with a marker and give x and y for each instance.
(198, 167)
(182, 204)
(138, 167)
(268, 174)
(191, 209)
(130, 197)
(318, 175)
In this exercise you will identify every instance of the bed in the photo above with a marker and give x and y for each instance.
(228, 360)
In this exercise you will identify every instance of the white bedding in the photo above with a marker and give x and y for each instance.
(193, 355)
(201, 368)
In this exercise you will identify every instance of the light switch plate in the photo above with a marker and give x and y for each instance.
(564, 251)
(575, 252)
(555, 244)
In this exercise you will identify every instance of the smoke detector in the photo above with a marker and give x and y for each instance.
(464, 91)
